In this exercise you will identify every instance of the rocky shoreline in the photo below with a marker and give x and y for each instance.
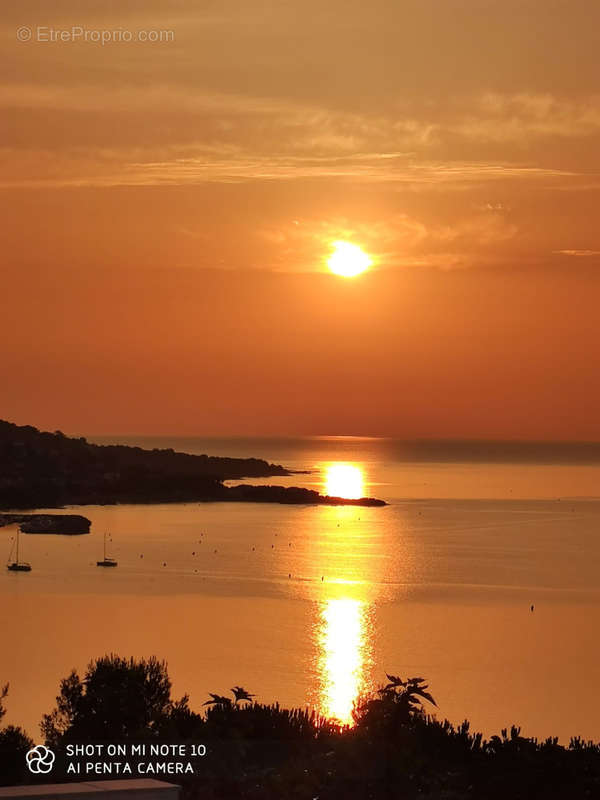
(51, 470)
(76, 524)
(64, 524)
(292, 495)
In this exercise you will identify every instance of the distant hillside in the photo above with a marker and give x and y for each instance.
(40, 469)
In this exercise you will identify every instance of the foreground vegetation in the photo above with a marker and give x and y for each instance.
(257, 751)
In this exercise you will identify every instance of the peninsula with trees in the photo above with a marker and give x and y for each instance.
(50, 470)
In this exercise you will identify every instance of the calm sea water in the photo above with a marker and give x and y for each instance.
(311, 606)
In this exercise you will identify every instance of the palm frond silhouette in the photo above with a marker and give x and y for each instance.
(218, 700)
(241, 694)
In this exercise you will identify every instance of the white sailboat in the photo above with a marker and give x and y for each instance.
(17, 566)
(107, 561)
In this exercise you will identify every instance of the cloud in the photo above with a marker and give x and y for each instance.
(511, 117)
(578, 253)
(193, 165)
(171, 134)
(399, 240)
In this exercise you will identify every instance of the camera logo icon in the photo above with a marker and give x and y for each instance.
(40, 759)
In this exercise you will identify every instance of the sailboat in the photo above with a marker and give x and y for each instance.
(18, 566)
(107, 561)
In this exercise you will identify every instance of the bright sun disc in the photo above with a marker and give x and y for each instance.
(344, 480)
(348, 259)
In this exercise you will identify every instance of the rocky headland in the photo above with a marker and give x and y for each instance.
(65, 524)
(51, 470)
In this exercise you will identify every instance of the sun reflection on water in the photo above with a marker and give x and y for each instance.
(342, 639)
(344, 480)
(344, 558)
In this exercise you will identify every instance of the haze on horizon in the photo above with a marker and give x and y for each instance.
(168, 209)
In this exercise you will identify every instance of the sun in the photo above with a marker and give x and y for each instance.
(344, 480)
(348, 259)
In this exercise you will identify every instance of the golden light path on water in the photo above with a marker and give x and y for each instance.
(344, 640)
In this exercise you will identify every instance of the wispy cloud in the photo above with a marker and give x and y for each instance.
(524, 117)
(110, 167)
(578, 253)
(399, 240)
(188, 135)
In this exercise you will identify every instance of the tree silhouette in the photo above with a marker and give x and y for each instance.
(118, 698)
(241, 694)
(266, 752)
(14, 744)
(3, 694)
(398, 703)
(218, 701)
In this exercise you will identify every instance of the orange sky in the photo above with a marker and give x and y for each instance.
(168, 208)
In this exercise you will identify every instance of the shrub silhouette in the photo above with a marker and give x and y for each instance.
(262, 752)
(14, 744)
(398, 703)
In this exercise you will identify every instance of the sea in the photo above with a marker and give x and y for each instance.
(481, 575)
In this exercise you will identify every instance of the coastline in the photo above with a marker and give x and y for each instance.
(282, 495)
(51, 470)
